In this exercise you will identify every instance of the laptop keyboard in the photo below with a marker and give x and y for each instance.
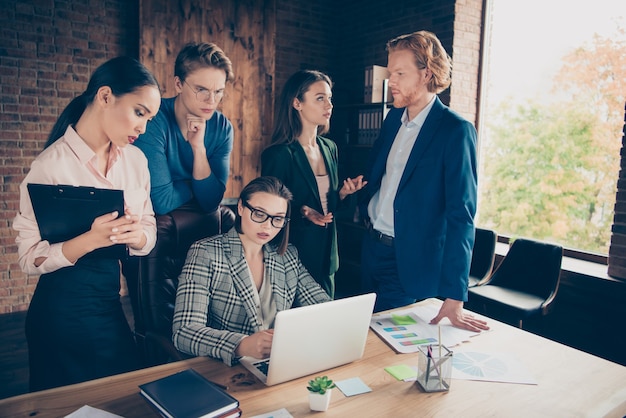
(263, 366)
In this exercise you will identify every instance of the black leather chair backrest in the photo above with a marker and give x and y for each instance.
(483, 254)
(156, 276)
(531, 267)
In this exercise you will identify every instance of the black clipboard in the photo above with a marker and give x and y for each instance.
(64, 212)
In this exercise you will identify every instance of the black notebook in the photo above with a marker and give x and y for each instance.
(187, 394)
(63, 212)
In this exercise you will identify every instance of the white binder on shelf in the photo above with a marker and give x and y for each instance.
(373, 87)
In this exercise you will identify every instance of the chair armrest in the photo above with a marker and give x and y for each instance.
(166, 346)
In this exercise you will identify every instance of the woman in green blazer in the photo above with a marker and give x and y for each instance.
(306, 162)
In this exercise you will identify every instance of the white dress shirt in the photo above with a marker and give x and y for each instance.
(70, 161)
(380, 207)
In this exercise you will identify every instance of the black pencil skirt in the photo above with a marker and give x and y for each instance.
(76, 328)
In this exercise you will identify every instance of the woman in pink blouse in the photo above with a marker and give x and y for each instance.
(75, 326)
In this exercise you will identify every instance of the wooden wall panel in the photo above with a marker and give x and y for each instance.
(245, 30)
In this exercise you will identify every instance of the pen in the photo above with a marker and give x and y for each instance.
(439, 371)
(436, 363)
(429, 356)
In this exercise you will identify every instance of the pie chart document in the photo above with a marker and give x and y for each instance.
(492, 367)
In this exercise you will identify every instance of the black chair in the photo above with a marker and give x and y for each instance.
(524, 285)
(153, 279)
(483, 256)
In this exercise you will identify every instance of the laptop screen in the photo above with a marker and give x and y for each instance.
(317, 337)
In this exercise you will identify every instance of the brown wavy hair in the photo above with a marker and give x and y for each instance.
(429, 53)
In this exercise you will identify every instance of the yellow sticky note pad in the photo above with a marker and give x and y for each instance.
(401, 371)
(403, 320)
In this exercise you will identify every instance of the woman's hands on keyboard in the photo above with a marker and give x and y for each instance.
(257, 345)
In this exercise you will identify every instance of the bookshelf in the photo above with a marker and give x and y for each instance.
(355, 128)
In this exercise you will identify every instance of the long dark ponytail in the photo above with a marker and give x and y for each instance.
(122, 74)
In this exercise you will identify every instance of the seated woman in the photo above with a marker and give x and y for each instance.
(232, 285)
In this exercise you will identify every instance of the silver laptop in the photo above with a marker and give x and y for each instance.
(314, 338)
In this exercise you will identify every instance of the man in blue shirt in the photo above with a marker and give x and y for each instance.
(188, 143)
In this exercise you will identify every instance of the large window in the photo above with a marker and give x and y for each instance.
(552, 117)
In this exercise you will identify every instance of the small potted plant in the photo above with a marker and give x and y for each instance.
(320, 390)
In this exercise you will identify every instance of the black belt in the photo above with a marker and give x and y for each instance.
(378, 236)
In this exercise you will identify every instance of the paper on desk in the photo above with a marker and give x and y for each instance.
(488, 367)
(279, 413)
(91, 412)
(402, 372)
(354, 386)
(405, 330)
(492, 367)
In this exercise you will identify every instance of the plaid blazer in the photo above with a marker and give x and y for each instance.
(215, 306)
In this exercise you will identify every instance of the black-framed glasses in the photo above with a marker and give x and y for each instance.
(205, 95)
(258, 216)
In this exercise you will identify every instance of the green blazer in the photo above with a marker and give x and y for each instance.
(317, 246)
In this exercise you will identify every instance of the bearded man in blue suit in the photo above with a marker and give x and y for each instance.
(420, 199)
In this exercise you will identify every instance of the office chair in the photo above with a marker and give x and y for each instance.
(483, 256)
(524, 285)
(153, 279)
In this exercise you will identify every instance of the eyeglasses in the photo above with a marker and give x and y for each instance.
(205, 95)
(259, 217)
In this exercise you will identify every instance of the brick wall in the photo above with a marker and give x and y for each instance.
(466, 58)
(48, 50)
(305, 33)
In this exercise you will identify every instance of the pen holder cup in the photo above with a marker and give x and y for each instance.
(434, 368)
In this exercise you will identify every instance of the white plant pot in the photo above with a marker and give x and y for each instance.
(319, 402)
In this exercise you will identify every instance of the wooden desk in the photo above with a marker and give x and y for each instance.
(571, 384)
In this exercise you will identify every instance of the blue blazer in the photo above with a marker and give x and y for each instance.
(435, 203)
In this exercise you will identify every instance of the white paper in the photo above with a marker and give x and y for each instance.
(488, 367)
(407, 336)
(279, 413)
(492, 367)
(91, 412)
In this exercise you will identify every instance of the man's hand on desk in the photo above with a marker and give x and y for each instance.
(453, 309)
